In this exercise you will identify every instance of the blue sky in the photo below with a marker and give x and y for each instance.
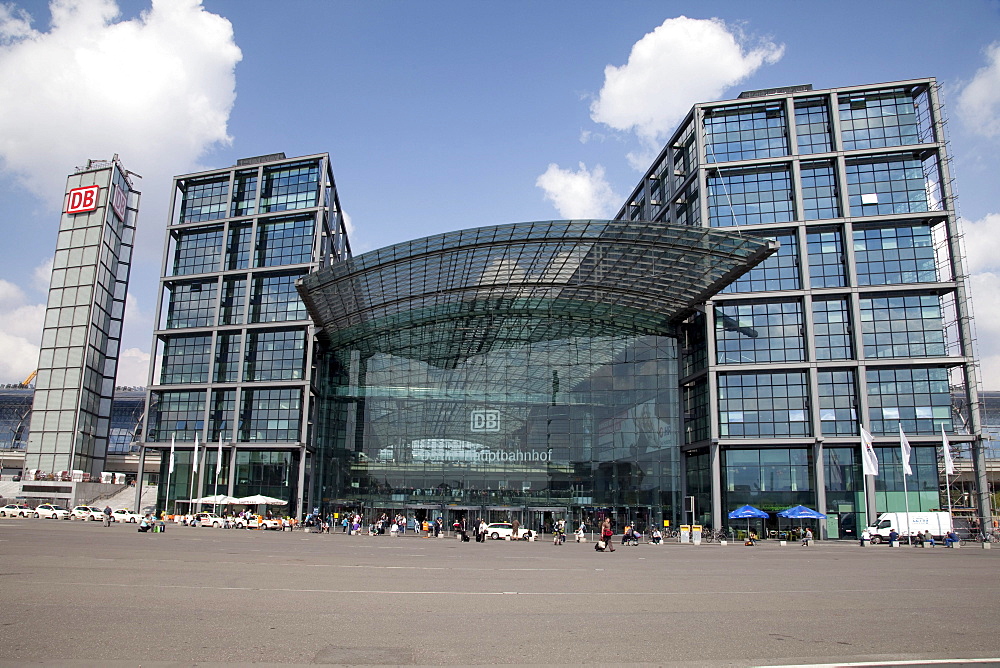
(438, 115)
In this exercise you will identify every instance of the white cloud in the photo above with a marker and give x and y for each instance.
(982, 243)
(984, 287)
(681, 62)
(133, 368)
(582, 194)
(157, 90)
(42, 276)
(979, 102)
(20, 333)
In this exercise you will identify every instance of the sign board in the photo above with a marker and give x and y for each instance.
(696, 534)
(81, 200)
(119, 202)
(485, 421)
(685, 534)
(666, 523)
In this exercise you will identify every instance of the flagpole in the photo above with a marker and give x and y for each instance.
(906, 499)
(218, 469)
(170, 469)
(949, 468)
(194, 469)
(869, 466)
(904, 451)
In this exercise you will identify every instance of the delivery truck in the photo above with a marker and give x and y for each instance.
(938, 523)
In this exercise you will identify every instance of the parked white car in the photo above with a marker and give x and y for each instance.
(15, 510)
(126, 516)
(51, 511)
(88, 513)
(501, 530)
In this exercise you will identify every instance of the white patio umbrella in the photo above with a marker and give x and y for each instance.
(218, 499)
(258, 499)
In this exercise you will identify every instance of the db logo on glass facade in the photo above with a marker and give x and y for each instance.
(485, 420)
(79, 200)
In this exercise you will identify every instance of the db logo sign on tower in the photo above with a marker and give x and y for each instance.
(79, 200)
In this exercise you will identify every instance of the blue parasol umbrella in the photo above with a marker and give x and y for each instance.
(747, 512)
(800, 513)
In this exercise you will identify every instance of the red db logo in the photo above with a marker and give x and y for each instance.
(82, 199)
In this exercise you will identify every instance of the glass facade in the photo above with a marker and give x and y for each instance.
(858, 320)
(239, 241)
(522, 371)
(81, 334)
(591, 369)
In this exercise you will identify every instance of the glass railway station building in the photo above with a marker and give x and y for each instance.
(788, 270)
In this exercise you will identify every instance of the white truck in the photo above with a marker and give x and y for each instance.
(938, 523)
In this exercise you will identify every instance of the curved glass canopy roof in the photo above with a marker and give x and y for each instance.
(445, 298)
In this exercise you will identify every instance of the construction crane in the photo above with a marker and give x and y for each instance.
(31, 377)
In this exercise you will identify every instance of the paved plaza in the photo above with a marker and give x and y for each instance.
(77, 593)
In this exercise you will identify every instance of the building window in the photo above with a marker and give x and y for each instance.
(290, 186)
(812, 125)
(227, 357)
(746, 132)
(284, 241)
(687, 208)
(221, 415)
(271, 415)
(893, 184)
(750, 196)
(831, 329)
(176, 414)
(779, 271)
(192, 304)
(838, 402)
(759, 333)
(892, 255)
(902, 326)
(918, 398)
(696, 417)
(825, 249)
(234, 291)
(878, 119)
(197, 252)
(767, 470)
(238, 248)
(274, 298)
(186, 359)
(244, 194)
(763, 405)
(275, 355)
(841, 472)
(819, 191)
(205, 199)
(923, 463)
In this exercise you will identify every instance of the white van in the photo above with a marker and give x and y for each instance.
(938, 523)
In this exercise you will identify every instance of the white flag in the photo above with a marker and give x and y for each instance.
(869, 461)
(949, 463)
(904, 446)
(171, 454)
(195, 460)
(218, 458)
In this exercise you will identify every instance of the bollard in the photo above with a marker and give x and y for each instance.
(986, 545)
(782, 543)
(723, 543)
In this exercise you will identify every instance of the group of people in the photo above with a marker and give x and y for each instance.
(917, 539)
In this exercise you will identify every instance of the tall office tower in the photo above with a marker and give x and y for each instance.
(71, 413)
(860, 319)
(233, 344)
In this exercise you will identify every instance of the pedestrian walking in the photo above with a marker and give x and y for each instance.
(607, 533)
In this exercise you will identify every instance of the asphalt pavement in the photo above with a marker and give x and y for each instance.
(80, 594)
